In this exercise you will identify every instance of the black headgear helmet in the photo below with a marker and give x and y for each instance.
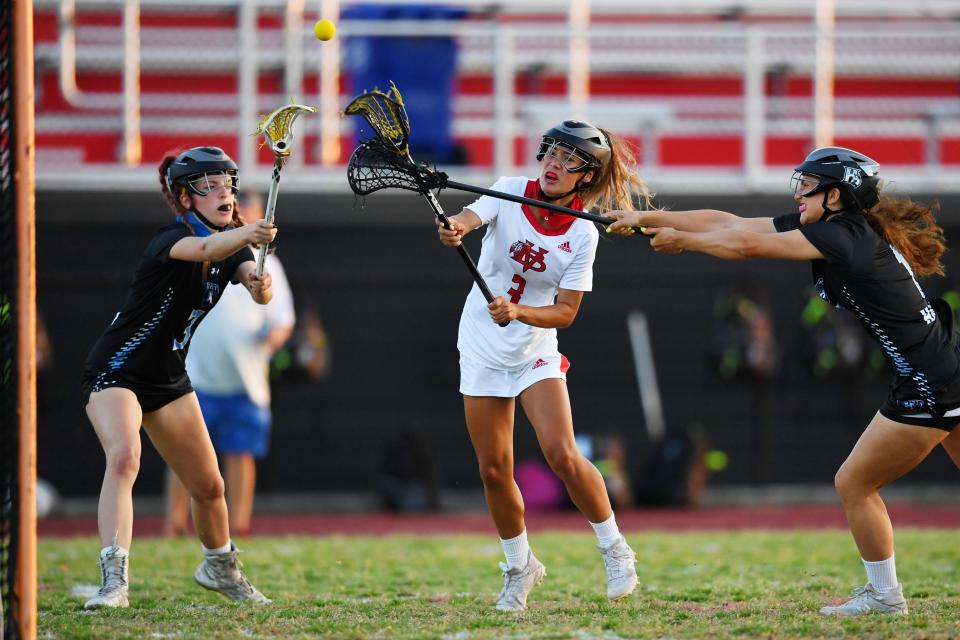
(855, 174)
(582, 136)
(196, 162)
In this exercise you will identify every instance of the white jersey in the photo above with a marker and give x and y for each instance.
(526, 264)
(227, 353)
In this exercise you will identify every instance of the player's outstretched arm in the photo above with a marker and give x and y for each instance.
(699, 220)
(261, 289)
(224, 244)
(734, 244)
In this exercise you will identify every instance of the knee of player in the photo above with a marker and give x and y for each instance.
(563, 460)
(209, 489)
(848, 485)
(124, 460)
(497, 473)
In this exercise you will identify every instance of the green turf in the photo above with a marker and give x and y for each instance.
(693, 585)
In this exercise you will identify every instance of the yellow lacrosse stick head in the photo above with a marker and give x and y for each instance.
(277, 128)
(386, 115)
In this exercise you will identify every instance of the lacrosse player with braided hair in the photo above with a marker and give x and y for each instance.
(539, 265)
(865, 249)
(135, 374)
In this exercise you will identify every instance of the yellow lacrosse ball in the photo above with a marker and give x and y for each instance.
(324, 30)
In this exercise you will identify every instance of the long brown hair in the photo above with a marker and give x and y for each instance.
(173, 200)
(617, 182)
(912, 229)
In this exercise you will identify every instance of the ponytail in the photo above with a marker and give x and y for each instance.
(235, 220)
(913, 230)
(172, 200)
(617, 183)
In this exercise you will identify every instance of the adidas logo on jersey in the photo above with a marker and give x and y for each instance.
(565, 246)
(539, 363)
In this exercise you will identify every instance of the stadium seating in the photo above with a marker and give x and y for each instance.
(672, 83)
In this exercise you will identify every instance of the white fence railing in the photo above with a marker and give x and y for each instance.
(505, 49)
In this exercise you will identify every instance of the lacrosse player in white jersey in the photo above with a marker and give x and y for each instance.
(538, 264)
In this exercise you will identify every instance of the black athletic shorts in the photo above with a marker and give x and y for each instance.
(150, 396)
(921, 418)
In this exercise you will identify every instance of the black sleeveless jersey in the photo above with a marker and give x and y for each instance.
(863, 273)
(148, 339)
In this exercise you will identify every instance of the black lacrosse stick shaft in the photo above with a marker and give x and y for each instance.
(467, 260)
(530, 201)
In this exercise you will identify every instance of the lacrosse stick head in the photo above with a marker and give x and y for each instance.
(277, 128)
(386, 115)
(375, 166)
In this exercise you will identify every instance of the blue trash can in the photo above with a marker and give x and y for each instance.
(423, 68)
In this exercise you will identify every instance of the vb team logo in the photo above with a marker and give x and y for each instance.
(532, 258)
(853, 176)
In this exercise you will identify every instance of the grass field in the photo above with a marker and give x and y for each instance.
(693, 585)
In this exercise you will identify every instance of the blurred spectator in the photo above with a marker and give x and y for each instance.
(742, 344)
(306, 355)
(44, 346)
(46, 494)
(408, 476)
(832, 344)
(675, 472)
(608, 454)
(229, 366)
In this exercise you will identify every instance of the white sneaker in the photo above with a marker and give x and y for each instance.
(620, 562)
(224, 573)
(867, 599)
(113, 582)
(518, 583)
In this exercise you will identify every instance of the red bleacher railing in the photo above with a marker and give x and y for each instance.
(693, 90)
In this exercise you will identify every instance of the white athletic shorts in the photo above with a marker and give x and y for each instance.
(478, 380)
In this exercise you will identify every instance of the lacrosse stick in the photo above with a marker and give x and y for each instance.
(387, 116)
(277, 131)
(374, 166)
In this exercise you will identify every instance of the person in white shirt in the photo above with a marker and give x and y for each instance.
(229, 365)
(540, 263)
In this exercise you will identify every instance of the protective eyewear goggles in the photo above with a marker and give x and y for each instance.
(804, 184)
(203, 183)
(572, 160)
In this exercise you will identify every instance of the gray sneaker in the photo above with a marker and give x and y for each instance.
(113, 582)
(620, 562)
(224, 573)
(867, 599)
(518, 583)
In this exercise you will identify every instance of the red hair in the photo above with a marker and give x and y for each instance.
(912, 228)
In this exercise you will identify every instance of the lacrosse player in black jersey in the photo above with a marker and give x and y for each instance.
(135, 372)
(866, 250)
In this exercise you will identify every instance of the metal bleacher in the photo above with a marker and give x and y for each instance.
(718, 90)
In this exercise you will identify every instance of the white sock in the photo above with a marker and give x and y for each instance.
(883, 574)
(516, 550)
(608, 533)
(121, 552)
(218, 550)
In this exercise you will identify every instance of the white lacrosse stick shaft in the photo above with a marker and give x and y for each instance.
(277, 131)
(270, 209)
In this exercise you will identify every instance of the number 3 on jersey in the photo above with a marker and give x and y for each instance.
(195, 315)
(517, 291)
